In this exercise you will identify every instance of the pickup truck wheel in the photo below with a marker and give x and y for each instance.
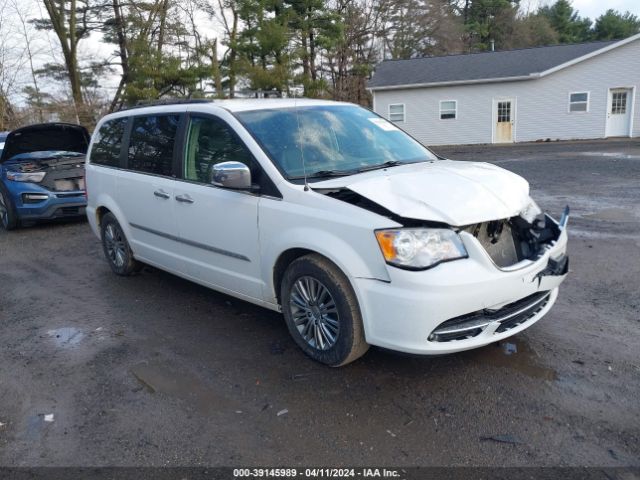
(116, 248)
(8, 217)
(322, 312)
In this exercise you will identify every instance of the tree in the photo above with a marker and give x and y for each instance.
(34, 94)
(72, 21)
(567, 22)
(314, 26)
(489, 21)
(227, 12)
(532, 30)
(350, 61)
(11, 61)
(614, 25)
(415, 28)
(158, 55)
(264, 44)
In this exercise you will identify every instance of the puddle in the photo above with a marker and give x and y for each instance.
(612, 215)
(66, 337)
(514, 354)
(36, 425)
(182, 385)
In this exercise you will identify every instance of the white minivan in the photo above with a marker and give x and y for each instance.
(330, 214)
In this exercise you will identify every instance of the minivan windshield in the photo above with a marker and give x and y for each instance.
(333, 140)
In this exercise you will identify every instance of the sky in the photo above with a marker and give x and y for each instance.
(594, 8)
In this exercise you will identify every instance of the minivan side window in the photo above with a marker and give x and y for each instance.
(106, 148)
(211, 141)
(151, 145)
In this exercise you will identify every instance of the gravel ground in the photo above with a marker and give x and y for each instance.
(153, 370)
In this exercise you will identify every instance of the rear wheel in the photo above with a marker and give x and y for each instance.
(116, 247)
(8, 217)
(322, 312)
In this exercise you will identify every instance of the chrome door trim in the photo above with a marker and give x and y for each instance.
(191, 243)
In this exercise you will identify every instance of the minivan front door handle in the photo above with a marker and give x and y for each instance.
(184, 198)
(161, 194)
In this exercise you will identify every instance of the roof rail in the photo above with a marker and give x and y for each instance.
(166, 101)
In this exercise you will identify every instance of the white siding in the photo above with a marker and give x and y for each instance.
(542, 104)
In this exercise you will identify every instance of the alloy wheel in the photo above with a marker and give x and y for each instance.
(115, 245)
(314, 313)
(4, 211)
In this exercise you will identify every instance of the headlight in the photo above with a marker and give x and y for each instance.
(35, 177)
(420, 248)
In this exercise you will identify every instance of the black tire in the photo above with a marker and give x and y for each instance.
(8, 216)
(116, 247)
(349, 342)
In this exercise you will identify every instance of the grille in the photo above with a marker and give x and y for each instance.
(67, 211)
(509, 316)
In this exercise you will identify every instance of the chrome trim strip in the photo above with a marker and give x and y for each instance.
(191, 243)
(523, 309)
(459, 329)
(483, 322)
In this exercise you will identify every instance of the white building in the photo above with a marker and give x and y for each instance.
(560, 92)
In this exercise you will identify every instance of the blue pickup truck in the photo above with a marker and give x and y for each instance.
(42, 173)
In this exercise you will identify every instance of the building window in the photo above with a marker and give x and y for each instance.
(504, 112)
(396, 112)
(579, 102)
(619, 103)
(448, 109)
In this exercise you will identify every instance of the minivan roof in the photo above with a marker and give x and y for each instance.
(232, 105)
(272, 103)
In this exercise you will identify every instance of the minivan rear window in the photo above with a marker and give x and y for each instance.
(106, 148)
(152, 141)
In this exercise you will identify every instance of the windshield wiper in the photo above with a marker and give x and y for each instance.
(390, 163)
(326, 173)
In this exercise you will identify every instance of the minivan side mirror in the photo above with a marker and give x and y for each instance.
(234, 175)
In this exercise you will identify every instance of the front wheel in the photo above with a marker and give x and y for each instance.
(8, 217)
(322, 312)
(116, 248)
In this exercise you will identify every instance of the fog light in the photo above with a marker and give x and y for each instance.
(34, 197)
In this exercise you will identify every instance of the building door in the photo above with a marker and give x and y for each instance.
(619, 112)
(504, 119)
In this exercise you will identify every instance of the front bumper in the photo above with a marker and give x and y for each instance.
(53, 204)
(403, 313)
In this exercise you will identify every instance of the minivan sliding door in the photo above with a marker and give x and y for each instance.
(146, 190)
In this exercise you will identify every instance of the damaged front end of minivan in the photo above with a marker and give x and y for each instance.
(498, 260)
(513, 240)
(508, 241)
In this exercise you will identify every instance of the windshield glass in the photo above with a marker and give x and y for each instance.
(333, 140)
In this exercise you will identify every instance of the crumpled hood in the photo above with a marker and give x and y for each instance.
(453, 192)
